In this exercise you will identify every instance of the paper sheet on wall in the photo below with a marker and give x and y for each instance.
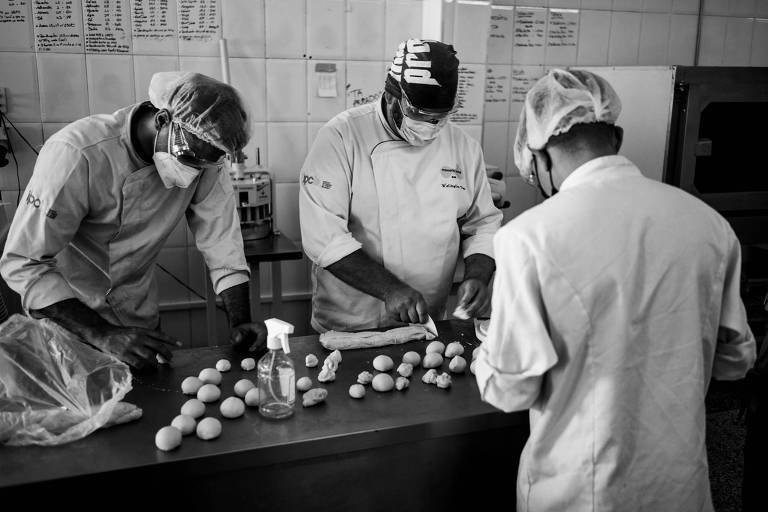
(15, 25)
(365, 82)
(199, 20)
(522, 79)
(497, 93)
(501, 35)
(469, 96)
(530, 27)
(154, 26)
(58, 25)
(562, 36)
(107, 26)
(326, 80)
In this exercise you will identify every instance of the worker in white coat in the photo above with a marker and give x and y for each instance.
(614, 303)
(106, 193)
(392, 195)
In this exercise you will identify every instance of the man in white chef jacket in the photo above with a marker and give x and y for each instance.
(615, 302)
(392, 195)
(106, 193)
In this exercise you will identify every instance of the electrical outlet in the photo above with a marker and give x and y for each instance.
(3, 101)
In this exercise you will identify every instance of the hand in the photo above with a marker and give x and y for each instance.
(250, 337)
(406, 305)
(473, 296)
(498, 188)
(135, 346)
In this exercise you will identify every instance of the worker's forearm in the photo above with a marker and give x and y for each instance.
(479, 266)
(74, 316)
(361, 272)
(237, 302)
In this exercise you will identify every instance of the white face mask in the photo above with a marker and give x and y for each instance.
(420, 133)
(172, 172)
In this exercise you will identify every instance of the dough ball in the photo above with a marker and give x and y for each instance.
(405, 369)
(382, 383)
(412, 358)
(314, 397)
(223, 365)
(190, 385)
(310, 361)
(193, 407)
(253, 397)
(432, 360)
(335, 356)
(208, 393)
(326, 375)
(248, 364)
(458, 364)
(443, 380)
(429, 377)
(454, 349)
(185, 424)
(475, 352)
(436, 347)
(383, 363)
(472, 367)
(357, 391)
(364, 378)
(168, 438)
(243, 386)
(232, 407)
(210, 376)
(401, 383)
(303, 384)
(330, 364)
(208, 428)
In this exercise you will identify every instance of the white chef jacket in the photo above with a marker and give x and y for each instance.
(94, 217)
(607, 303)
(411, 209)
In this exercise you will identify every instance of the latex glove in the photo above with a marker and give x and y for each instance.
(251, 337)
(498, 188)
(473, 298)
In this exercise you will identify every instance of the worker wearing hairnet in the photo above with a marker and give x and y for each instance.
(614, 303)
(106, 193)
(392, 195)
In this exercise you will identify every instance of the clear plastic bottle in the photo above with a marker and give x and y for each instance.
(277, 377)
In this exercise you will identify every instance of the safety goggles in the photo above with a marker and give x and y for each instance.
(419, 114)
(179, 147)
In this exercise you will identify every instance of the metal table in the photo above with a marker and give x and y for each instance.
(421, 448)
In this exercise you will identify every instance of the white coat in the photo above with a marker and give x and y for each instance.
(94, 217)
(414, 210)
(610, 306)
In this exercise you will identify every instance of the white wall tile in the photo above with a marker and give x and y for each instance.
(324, 108)
(33, 132)
(256, 149)
(365, 30)
(602, 5)
(654, 38)
(759, 55)
(594, 34)
(761, 9)
(497, 92)
(21, 86)
(530, 36)
(144, 66)
(685, 6)
(712, 47)
(403, 21)
(286, 90)
(511, 167)
(365, 81)
(738, 40)
(565, 4)
(715, 7)
(110, 82)
(743, 8)
(50, 128)
(470, 35)
(17, 33)
(562, 37)
(63, 94)
(501, 35)
(495, 142)
(522, 79)
(625, 38)
(657, 5)
(244, 27)
(627, 5)
(312, 129)
(286, 28)
(174, 260)
(155, 31)
(682, 39)
(326, 37)
(287, 149)
(287, 210)
(210, 66)
(200, 38)
(249, 77)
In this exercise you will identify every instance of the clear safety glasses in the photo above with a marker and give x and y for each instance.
(181, 151)
(418, 114)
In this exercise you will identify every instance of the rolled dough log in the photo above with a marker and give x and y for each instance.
(338, 340)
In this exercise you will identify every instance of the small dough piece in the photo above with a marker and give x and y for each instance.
(365, 378)
(248, 364)
(357, 391)
(336, 356)
(210, 376)
(436, 346)
(185, 424)
(412, 358)
(475, 352)
(330, 364)
(429, 377)
(402, 383)
(193, 407)
(454, 349)
(458, 364)
(326, 375)
(383, 363)
(253, 397)
(405, 370)
(443, 380)
(232, 407)
(208, 428)
(310, 361)
(472, 367)
(432, 360)
(314, 397)
(190, 385)
(223, 365)
(303, 384)
(208, 393)
(168, 438)
(382, 383)
(243, 386)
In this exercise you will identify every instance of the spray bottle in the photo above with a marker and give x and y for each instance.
(277, 377)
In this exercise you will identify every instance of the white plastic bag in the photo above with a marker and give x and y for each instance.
(54, 388)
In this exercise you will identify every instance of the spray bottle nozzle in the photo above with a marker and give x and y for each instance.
(277, 334)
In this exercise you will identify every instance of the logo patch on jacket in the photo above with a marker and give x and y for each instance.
(34, 201)
(453, 177)
(51, 213)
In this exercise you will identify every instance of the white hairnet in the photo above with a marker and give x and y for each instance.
(556, 102)
(207, 108)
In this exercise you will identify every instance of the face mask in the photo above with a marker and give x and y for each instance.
(535, 173)
(172, 172)
(420, 133)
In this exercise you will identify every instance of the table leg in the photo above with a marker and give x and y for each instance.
(277, 289)
(255, 293)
